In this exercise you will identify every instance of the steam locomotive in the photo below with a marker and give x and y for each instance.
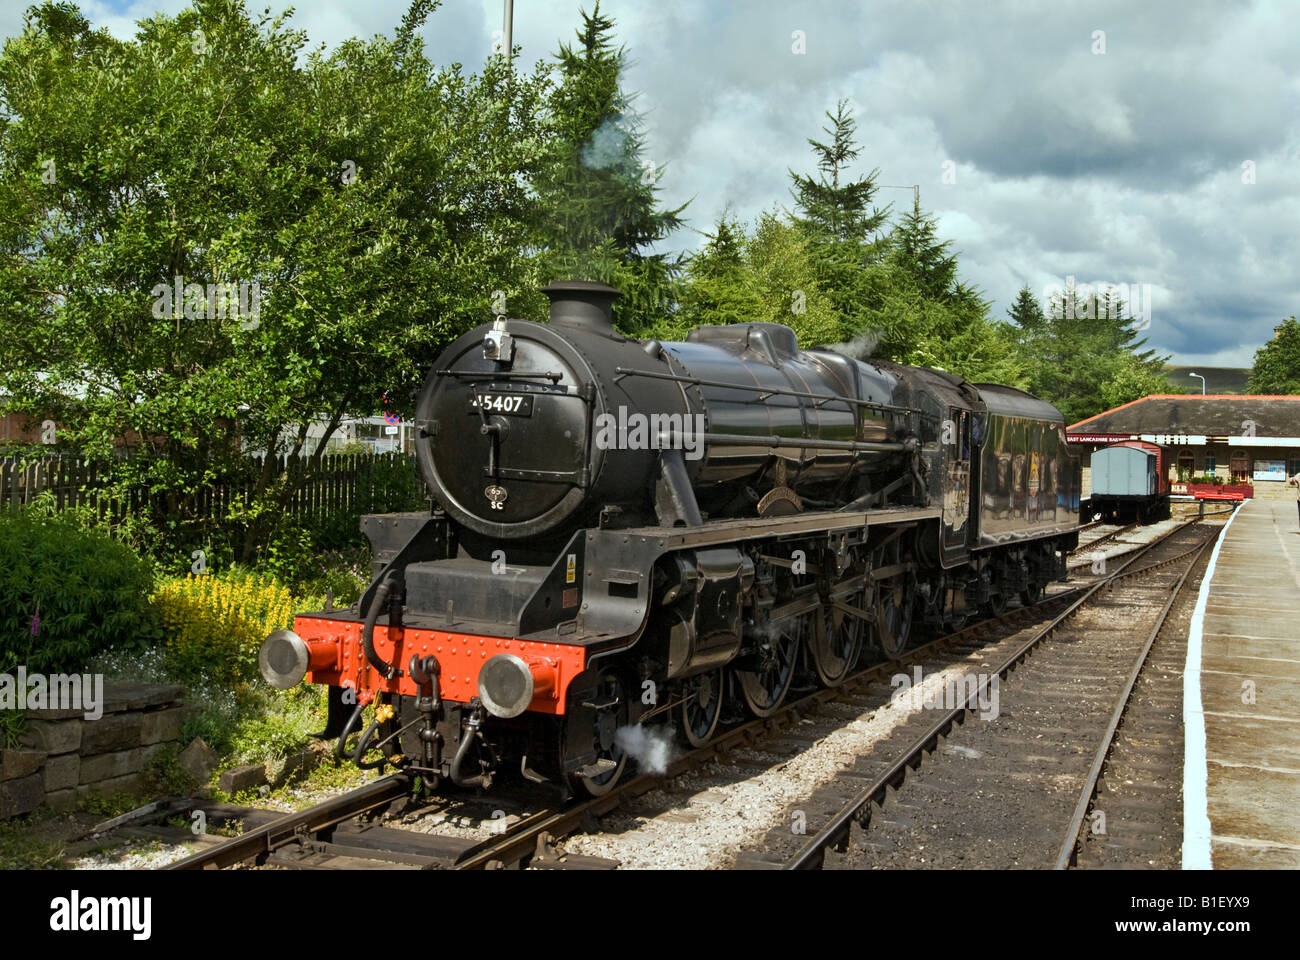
(651, 535)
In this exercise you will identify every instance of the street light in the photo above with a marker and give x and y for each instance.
(507, 29)
(914, 187)
(1200, 378)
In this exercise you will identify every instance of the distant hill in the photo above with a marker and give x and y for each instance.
(1217, 379)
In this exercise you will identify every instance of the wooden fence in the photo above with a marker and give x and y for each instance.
(342, 483)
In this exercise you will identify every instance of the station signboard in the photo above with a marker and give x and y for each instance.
(1270, 470)
(1097, 437)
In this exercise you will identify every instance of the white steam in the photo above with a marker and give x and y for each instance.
(651, 747)
(607, 148)
(860, 347)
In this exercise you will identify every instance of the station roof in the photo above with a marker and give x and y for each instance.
(1216, 415)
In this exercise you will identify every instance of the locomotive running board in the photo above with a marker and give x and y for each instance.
(730, 531)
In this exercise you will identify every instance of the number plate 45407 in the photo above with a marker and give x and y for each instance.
(511, 404)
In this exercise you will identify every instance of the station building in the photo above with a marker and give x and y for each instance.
(1246, 438)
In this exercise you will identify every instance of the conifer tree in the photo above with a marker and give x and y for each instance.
(601, 213)
(917, 249)
(1026, 313)
(836, 215)
(721, 287)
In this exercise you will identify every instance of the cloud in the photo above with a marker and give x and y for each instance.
(1117, 167)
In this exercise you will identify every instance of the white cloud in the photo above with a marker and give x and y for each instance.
(1121, 167)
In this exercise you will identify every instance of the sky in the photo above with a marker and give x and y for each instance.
(1154, 144)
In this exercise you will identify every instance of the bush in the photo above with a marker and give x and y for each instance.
(69, 593)
(214, 624)
(284, 724)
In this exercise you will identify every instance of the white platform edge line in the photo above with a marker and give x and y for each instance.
(1196, 811)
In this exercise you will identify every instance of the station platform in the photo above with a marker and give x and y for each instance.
(1241, 788)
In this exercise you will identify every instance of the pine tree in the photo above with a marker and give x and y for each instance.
(836, 215)
(767, 277)
(917, 249)
(1085, 355)
(1026, 313)
(831, 212)
(600, 199)
(721, 288)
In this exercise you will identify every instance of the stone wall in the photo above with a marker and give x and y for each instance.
(64, 758)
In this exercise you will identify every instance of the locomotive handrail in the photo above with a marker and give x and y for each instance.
(768, 391)
(552, 375)
(745, 440)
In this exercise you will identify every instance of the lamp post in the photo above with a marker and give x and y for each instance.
(507, 41)
(914, 187)
(1200, 378)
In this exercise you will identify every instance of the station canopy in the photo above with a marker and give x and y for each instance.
(1193, 419)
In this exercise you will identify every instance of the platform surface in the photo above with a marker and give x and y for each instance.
(1250, 690)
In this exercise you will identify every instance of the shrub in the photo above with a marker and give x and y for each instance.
(165, 776)
(215, 623)
(284, 724)
(69, 593)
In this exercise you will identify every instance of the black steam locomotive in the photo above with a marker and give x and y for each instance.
(628, 535)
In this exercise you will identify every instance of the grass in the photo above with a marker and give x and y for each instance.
(23, 847)
(11, 727)
(164, 776)
(109, 805)
(247, 721)
(282, 726)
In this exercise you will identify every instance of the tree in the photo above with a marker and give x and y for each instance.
(768, 277)
(1084, 355)
(836, 215)
(373, 200)
(1277, 363)
(720, 287)
(1026, 313)
(600, 211)
(916, 248)
(785, 273)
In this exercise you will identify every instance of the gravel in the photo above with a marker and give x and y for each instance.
(703, 818)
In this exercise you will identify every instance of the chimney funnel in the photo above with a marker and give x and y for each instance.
(582, 303)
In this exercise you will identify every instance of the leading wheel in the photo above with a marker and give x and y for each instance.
(608, 713)
(764, 688)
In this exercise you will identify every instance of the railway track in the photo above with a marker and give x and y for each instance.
(1021, 791)
(1105, 537)
(326, 836)
(320, 837)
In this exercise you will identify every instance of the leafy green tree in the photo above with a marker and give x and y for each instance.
(1277, 363)
(785, 273)
(600, 213)
(376, 201)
